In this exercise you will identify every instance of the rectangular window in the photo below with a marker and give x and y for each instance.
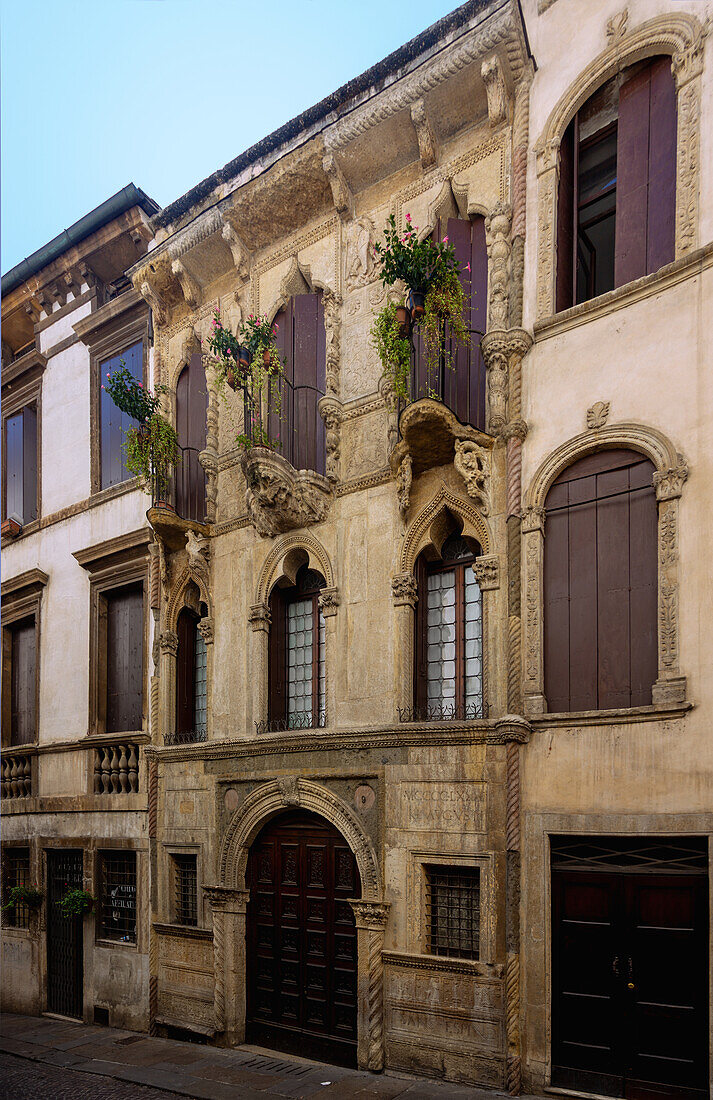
(453, 911)
(124, 658)
(20, 482)
(20, 682)
(15, 872)
(185, 890)
(113, 423)
(117, 896)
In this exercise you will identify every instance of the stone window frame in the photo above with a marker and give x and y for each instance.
(416, 886)
(670, 474)
(168, 648)
(94, 848)
(682, 36)
(113, 564)
(22, 598)
(166, 880)
(26, 391)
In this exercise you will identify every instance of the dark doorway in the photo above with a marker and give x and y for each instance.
(301, 940)
(629, 966)
(65, 969)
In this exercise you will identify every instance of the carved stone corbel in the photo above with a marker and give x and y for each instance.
(487, 572)
(492, 74)
(404, 590)
(240, 254)
(404, 477)
(471, 462)
(168, 642)
(205, 626)
(328, 601)
(278, 497)
(189, 286)
(330, 409)
(155, 301)
(427, 141)
(259, 617)
(341, 192)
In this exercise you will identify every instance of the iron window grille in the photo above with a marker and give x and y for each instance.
(453, 911)
(16, 872)
(637, 854)
(117, 917)
(185, 889)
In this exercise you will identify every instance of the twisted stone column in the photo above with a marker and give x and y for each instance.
(228, 906)
(371, 918)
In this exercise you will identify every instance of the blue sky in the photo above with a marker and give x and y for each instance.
(98, 93)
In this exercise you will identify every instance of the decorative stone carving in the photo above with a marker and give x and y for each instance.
(189, 286)
(533, 519)
(497, 228)
(289, 788)
(331, 412)
(360, 253)
(240, 254)
(328, 601)
(597, 414)
(687, 169)
(492, 74)
(427, 141)
(198, 551)
(495, 348)
(168, 642)
(278, 497)
(669, 483)
(259, 616)
(205, 626)
(487, 572)
(404, 589)
(156, 302)
(332, 324)
(429, 431)
(616, 26)
(471, 462)
(370, 914)
(341, 192)
(404, 477)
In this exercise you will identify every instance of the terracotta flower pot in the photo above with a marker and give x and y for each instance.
(143, 434)
(245, 358)
(266, 356)
(416, 304)
(230, 378)
(403, 316)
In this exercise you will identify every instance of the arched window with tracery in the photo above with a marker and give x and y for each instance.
(617, 184)
(297, 671)
(301, 341)
(191, 408)
(448, 674)
(600, 584)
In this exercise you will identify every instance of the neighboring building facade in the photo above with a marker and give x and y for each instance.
(75, 622)
(428, 772)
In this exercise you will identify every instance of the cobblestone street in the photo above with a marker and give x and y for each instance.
(24, 1080)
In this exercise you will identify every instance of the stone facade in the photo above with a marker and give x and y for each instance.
(464, 124)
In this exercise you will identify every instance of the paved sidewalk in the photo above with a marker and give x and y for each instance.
(193, 1070)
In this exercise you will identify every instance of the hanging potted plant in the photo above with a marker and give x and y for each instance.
(31, 896)
(393, 347)
(151, 448)
(75, 903)
(252, 360)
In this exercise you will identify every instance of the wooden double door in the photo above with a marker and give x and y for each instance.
(301, 940)
(630, 983)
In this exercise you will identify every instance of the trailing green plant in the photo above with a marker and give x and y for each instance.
(129, 395)
(393, 349)
(251, 362)
(75, 903)
(416, 263)
(442, 324)
(152, 449)
(31, 896)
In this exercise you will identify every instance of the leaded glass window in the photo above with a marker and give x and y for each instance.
(201, 682)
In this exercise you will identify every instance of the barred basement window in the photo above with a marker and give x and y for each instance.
(117, 896)
(185, 890)
(453, 911)
(16, 872)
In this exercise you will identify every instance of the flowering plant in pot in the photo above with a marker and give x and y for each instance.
(31, 896)
(251, 362)
(75, 903)
(151, 448)
(393, 348)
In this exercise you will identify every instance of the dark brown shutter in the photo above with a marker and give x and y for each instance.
(186, 671)
(420, 671)
(277, 671)
(124, 659)
(280, 426)
(309, 378)
(191, 409)
(29, 463)
(478, 322)
(600, 578)
(646, 182)
(23, 729)
(14, 504)
(566, 206)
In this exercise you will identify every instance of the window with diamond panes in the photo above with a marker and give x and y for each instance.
(185, 889)
(453, 911)
(297, 645)
(117, 896)
(449, 644)
(201, 682)
(16, 872)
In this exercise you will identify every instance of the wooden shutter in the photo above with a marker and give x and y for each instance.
(124, 659)
(464, 385)
(420, 672)
(14, 504)
(23, 727)
(191, 410)
(29, 463)
(646, 165)
(600, 578)
(309, 380)
(566, 206)
(113, 423)
(277, 664)
(280, 428)
(186, 671)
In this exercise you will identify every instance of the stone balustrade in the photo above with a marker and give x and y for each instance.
(16, 775)
(116, 768)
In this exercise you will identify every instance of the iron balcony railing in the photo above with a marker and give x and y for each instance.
(460, 385)
(187, 737)
(444, 712)
(184, 489)
(289, 423)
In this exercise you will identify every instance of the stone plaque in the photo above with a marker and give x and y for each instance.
(446, 807)
(364, 797)
(231, 800)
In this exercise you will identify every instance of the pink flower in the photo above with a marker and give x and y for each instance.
(467, 267)
(141, 385)
(102, 387)
(408, 217)
(445, 240)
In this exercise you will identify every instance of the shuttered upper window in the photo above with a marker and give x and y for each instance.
(600, 584)
(617, 184)
(301, 341)
(191, 406)
(461, 386)
(124, 658)
(20, 465)
(20, 682)
(112, 422)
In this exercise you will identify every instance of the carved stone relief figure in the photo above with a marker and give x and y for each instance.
(360, 253)
(471, 462)
(404, 477)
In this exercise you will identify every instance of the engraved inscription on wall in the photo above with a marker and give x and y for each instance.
(444, 806)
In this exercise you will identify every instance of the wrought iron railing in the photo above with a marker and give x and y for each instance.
(187, 737)
(289, 422)
(444, 712)
(184, 489)
(305, 721)
(458, 381)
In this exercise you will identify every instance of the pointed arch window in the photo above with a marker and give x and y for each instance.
(191, 678)
(449, 675)
(297, 671)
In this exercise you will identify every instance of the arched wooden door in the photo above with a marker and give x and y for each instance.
(301, 940)
(191, 408)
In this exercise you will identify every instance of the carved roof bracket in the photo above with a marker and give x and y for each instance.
(427, 140)
(341, 191)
